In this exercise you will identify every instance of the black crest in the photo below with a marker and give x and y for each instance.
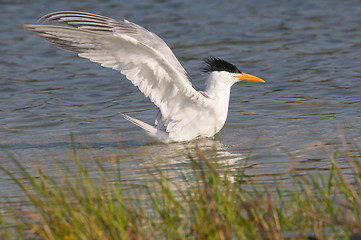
(217, 64)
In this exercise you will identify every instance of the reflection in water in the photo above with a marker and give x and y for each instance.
(177, 153)
(175, 160)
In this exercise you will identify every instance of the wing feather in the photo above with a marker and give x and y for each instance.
(143, 57)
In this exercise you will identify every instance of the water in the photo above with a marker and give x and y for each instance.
(309, 52)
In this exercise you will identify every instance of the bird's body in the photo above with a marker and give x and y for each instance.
(148, 62)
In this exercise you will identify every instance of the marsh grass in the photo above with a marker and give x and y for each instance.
(211, 202)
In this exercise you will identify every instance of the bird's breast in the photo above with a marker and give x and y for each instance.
(193, 123)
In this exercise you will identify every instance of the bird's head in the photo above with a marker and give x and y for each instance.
(228, 71)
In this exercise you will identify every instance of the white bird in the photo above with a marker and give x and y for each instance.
(147, 61)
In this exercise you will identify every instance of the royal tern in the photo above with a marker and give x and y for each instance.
(147, 61)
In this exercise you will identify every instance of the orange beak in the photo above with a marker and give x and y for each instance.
(248, 77)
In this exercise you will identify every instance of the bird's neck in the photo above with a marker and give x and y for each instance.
(217, 89)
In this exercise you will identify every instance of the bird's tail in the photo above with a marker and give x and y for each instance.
(150, 130)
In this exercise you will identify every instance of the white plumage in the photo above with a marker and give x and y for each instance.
(148, 62)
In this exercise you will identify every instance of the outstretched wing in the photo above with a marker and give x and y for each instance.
(143, 57)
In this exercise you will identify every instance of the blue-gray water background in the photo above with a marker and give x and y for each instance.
(309, 52)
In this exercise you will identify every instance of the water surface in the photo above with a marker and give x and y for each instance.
(309, 52)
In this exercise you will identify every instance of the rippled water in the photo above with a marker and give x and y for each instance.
(309, 52)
